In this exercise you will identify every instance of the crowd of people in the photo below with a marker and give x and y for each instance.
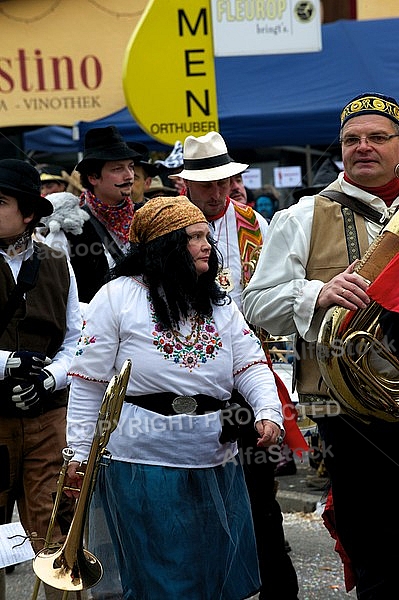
(176, 265)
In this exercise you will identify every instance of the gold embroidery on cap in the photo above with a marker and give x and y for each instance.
(370, 103)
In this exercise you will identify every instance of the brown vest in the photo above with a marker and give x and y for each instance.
(39, 323)
(330, 247)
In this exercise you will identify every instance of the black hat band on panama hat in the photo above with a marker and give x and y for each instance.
(207, 163)
(371, 103)
(22, 180)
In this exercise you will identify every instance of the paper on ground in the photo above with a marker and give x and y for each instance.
(13, 551)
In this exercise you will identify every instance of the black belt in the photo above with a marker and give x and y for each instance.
(167, 403)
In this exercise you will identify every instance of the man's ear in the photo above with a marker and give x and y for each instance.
(92, 178)
(29, 218)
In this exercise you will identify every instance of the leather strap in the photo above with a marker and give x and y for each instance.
(356, 205)
(104, 235)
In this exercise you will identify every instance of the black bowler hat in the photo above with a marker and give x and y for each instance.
(21, 180)
(105, 143)
(144, 160)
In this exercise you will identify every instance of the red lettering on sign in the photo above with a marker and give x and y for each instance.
(38, 73)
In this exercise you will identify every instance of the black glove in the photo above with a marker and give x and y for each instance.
(30, 392)
(23, 364)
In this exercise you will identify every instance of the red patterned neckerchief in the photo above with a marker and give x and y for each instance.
(116, 219)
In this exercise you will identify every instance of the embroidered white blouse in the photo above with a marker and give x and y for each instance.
(210, 358)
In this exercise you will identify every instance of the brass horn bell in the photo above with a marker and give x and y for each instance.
(361, 373)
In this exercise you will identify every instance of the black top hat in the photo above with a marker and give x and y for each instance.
(22, 180)
(105, 143)
(144, 160)
(52, 173)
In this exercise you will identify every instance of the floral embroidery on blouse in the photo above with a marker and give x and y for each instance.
(249, 332)
(191, 350)
(84, 340)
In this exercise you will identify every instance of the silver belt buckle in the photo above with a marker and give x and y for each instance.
(184, 405)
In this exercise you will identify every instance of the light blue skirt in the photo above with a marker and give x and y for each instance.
(181, 534)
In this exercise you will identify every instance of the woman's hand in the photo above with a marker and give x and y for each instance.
(73, 479)
(270, 433)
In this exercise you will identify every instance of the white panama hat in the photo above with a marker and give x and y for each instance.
(206, 159)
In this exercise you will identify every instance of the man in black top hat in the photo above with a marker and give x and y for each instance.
(39, 328)
(107, 174)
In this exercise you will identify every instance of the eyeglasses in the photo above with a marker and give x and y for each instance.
(374, 138)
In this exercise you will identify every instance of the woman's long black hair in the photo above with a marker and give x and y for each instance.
(169, 271)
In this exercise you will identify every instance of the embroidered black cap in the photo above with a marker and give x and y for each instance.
(371, 104)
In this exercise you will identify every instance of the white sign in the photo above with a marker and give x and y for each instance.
(286, 177)
(247, 27)
(252, 178)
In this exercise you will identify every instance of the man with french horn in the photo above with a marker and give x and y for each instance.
(310, 282)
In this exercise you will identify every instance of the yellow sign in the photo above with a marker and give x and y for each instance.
(169, 74)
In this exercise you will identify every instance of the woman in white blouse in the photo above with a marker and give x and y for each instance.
(174, 492)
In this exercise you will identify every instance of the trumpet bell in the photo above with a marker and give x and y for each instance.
(52, 568)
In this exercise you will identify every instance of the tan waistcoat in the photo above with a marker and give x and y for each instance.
(328, 256)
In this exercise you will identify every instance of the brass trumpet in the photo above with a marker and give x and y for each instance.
(71, 567)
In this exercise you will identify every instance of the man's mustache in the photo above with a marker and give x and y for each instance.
(122, 185)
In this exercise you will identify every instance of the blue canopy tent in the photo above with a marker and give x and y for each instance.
(50, 139)
(292, 99)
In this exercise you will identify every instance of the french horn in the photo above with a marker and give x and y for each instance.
(357, 366)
